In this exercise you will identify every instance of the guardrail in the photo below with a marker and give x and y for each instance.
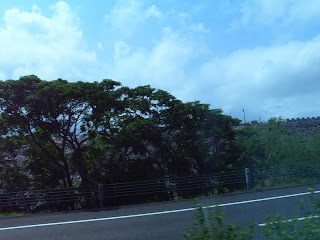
(154, 190)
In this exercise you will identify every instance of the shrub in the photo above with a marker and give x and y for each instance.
(209, 224)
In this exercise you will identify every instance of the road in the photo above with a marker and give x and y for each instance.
(165, 220)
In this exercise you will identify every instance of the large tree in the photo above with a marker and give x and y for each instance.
(104, 132)
(53, 117)
(13, 170)
(156, 135)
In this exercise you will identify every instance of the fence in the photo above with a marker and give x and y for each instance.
(155, 190)
(298, 174)
(48, 199)
(168, 188)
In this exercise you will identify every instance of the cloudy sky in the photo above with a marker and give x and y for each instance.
(259, 55)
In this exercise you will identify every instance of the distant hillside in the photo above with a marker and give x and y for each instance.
(304, 125)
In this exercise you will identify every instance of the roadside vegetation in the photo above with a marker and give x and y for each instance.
(62, 134)
(270, 144)
(59, 134)
(12, 214)
(209, 224)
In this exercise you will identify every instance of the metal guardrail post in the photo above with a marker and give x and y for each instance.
(247, 172)
(100, 195)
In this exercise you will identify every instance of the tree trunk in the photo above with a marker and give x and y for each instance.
(67, 171)
(82, 168)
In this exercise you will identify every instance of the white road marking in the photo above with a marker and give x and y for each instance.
(265, 199)
(290, 220)
(156, 213)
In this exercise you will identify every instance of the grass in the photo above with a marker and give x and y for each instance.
(283, 182)
(260, 185)
(12, 214)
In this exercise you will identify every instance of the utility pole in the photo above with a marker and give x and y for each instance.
(244, 116)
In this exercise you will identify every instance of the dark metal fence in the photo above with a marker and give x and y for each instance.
(297, 174)
(155, 190)
(48, 199)
(175, 184)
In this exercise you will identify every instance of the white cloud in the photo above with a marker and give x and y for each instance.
(135, 20)
(162, 66)
(200, 28)
(121, 49)
(280, 80)
(268, 80)
(304, 10)
(269, 12)
(153, 11)
(36, 9)
(100, 46)
(128, 15)
(49, 47)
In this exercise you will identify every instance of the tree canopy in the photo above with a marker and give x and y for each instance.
(71, 133)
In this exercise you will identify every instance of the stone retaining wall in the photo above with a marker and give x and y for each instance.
(304, 125)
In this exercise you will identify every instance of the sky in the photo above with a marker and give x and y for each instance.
(262, 56)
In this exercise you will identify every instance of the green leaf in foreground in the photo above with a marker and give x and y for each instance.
(209, 224)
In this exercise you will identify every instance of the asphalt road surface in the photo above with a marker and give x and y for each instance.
(165, 220)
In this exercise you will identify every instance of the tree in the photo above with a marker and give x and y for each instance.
(54, 117)
(104, 132)
(269, 144)
(13, 173)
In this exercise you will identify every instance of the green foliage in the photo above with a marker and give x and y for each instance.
(209, 224)
(269, 147)
(13, 174)
(105, 133)
(102, 132)
(269, 144)
(12, 214)
(307, 227)
(278, 227)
